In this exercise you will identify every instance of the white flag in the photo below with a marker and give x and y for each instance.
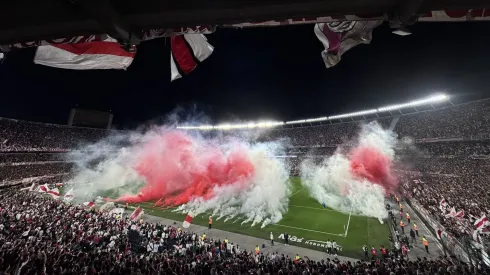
(69, 195)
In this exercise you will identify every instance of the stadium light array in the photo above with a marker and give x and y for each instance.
(269, 124)
(431, 99)
(251, 125)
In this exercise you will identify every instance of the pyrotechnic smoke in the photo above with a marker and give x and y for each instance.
(356, 181)
(226, 176)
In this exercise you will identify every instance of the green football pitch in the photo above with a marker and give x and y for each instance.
(307, 223)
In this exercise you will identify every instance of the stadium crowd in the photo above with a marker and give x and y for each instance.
(449, 160)
(39, 235)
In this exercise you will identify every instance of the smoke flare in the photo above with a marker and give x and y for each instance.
(356, 181)
(173, 168)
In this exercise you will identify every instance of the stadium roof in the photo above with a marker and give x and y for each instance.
(29, 20)
(269, 124)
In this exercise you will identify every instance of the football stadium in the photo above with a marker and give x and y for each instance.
(315, 148)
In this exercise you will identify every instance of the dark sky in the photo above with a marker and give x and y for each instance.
(263, 73)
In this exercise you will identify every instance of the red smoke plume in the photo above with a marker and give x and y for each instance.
(372, 165)
(178, 168)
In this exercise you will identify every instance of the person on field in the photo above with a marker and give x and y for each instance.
(210, 222)
(412, 235)
(426, 244)
(365, 249)
(373, 253)
(329, 247)
(286, 238)
(335, 247)
(272, 239)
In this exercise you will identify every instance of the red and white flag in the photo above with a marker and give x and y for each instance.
(339, 37)
(106, 54)
(89, 204)
(136, 214)
(69, 195)
(188, 219)
(43, 188)
(187, 51)
(481, 223)
(459, 214)
(55, 193)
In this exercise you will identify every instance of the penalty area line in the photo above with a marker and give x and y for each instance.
(348, 223)
(310, 230)
(297, 192)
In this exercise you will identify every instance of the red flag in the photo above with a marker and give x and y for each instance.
(187, 51)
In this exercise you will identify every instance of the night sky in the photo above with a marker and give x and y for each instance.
(263, 73)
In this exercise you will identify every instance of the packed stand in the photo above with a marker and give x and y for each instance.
(466, 120)
(25, 136)
(9, 158)
(39, 235)
(18, 172)
(322, 135)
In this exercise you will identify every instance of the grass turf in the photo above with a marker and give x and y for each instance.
(306, 220)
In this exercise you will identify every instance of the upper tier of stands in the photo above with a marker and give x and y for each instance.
(466, 120)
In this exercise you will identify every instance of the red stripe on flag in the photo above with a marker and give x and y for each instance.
(183, 54)
(99, 47)
(188, 219)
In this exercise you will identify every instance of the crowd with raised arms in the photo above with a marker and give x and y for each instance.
(39, 235)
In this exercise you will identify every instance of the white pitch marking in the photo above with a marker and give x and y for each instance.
(297, 192)
(326, 233)
(348, 222)
(315, 208)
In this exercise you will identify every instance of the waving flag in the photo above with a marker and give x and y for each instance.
(43, 188)
(188, 219)
(89, 204)
(55, 193)
(106, 54)
(481, 223)
(187, 51)
(136, 214)
(339, 37)
(69, 195)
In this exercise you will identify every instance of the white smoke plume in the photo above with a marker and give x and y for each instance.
(109, 168)
(334, 182)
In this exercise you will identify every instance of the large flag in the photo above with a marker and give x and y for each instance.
(136, 214)
(339, 37)
(188, 219)
(187, 51)
(106, 54)
(55, 193)
(69, 195)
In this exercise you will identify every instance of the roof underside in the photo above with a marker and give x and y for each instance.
(28, 20)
